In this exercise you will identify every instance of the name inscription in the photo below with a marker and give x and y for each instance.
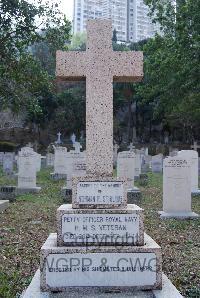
(100, 193)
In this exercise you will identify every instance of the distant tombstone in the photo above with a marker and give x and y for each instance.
(173, 152)
(195, 146)
(8, 162)
(192, 156)
(76, 166)
(38, 161)
(73, 138)
(126, 166)
(115, 150)
(50, 159)
(131, 147)
(146, 163)
(77, 147)
(199, 166)
(43, 162)
(27, 168)
(177, 188)
(58, 141)
(1, 157)
(60, 162)
(157, 163)
(138, 163)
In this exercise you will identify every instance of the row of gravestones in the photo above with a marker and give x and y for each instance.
(130, 164)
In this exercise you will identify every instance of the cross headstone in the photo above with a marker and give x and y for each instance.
(59, 139)
(100, 66)
(131, 147)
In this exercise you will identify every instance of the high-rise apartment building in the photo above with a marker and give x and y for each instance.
(129, 17)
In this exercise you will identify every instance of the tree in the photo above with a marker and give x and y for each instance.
(114, 37)
(23, 80)
(171, 64)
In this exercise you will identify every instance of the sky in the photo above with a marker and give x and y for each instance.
(67, 8)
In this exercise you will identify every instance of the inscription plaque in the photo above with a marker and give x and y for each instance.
(100, 229)
(108, 193)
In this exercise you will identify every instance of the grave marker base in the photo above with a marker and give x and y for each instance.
(178, 215)
(137, 267)
(34, 291)
(21, 191)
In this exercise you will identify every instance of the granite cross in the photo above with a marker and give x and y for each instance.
(100, 66)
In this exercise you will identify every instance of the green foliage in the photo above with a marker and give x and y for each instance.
(70, 114)
(24, 82)
(78, 42)
(114, 37)
(171, 81)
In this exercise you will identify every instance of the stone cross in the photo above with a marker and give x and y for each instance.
(131, 147)
(99, 65)
(195, 146)
(58, 140)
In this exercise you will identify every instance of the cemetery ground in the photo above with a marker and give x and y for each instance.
(26, 224)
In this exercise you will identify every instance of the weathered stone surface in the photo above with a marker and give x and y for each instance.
(100, 65)
(177, 188)
(192, 157)
(98, 192)
(126, 166)
(27, 167)
(100, 226)
(138, 267)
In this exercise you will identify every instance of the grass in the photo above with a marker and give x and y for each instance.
(26, 224)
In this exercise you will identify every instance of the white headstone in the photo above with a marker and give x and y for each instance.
(77, 147)
(192, 156)
(8, 161)
(73, 138)
(38, 161)
(126, 166)
(26, 168)
(157, 163)
(76, 165)
(176, 187)
(138, 163)
(50, 159)
(60, 160)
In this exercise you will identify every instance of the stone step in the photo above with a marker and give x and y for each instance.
(100, 226)
(168, 291)
(4, 204)
(138, 267)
